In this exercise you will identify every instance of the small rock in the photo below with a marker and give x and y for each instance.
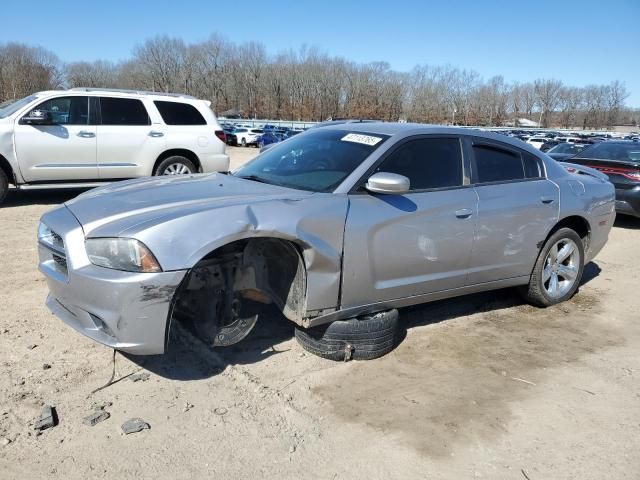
(292, 449)
(32, 346)
(46, 366)
(48, 418)
(5, 441)
(187, 406)
(220, 411)
(134, 425)
(140, 377)
(100, 405)
(96, 417)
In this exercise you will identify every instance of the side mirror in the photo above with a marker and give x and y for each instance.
(389, 183)
(38, 117)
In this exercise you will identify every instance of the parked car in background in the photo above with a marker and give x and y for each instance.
(336, 228)
(564, 151)
(537, 142)
(620, 161)
(85, 137)
(269, 137)
(548, 145)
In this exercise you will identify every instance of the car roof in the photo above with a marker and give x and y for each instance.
(115, 92)
(402, 129)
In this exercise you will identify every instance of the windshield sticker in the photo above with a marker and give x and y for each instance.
(358, 138)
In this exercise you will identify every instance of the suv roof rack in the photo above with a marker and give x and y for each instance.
(135, 92)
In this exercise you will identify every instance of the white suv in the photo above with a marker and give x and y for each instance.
(85, 137)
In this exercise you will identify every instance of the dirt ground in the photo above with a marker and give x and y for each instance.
(480, 387)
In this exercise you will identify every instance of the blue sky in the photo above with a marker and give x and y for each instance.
(578, 42)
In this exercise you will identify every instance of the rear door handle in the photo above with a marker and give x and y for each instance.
(464, 213)
(547, 200)
(155, 133)
(85, 134)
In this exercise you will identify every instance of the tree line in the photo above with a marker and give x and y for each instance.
(310, 85)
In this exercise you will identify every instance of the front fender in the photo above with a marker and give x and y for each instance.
(315, 224)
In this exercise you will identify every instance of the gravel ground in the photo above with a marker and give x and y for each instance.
(481, 387)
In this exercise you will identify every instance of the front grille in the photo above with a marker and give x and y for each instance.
(61, 263)
(54, 253)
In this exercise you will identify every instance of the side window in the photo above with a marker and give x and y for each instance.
(67, 110)
(176, 113)
(123, 111)
(532, 166)
(497, 165)
(427, 163)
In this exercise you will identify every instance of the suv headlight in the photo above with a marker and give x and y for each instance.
(45, 234)
(125, 254)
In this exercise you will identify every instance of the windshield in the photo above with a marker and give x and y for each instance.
(317, 161)
(567, 148)
(12, 106)
(629, 152)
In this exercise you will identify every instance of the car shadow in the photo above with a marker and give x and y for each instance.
(21, 198)
(628, 222)
(188, 358)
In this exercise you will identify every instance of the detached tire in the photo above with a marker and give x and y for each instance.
(362, 338)
(4, 185)
(175, 165)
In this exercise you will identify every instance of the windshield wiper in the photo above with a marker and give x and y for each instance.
(254, 178)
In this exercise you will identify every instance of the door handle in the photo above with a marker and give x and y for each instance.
(464, 213)
(85, 134)
(547, 200)
(155, 134)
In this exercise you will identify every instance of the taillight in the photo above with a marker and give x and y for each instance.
(220, 134)
(629, 173)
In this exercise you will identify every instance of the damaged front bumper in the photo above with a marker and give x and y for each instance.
(123, 310)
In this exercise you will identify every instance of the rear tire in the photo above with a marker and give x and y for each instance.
(175, 165)
(4, 185)
(554, 281)
(363, 338)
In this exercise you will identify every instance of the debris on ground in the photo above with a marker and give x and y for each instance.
(220, 411)
(134, 425)
(140, 377)
(96, 417)
(187, 406)
(5, 441)
(101, 405)
(48, 418)
(46, 366)
(32, 346)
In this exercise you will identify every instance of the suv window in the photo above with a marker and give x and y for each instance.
(176, 113)
(67, 110)
(495, 164)
(123, 111)
(427, 163)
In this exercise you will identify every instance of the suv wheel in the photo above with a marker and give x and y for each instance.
(557, 273)
(4, 185)
(175, 165)
(244, 142)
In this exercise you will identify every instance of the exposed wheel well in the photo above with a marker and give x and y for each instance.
(243, 276)
(578, 224)
(6, 168)
(178, 151)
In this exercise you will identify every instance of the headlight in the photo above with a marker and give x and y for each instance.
(125, 254)
(46, 235)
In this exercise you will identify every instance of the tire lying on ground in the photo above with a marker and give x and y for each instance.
(363, 338)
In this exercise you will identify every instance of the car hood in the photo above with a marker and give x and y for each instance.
(127, 206)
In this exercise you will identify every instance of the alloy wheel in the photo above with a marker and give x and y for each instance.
(561, 268)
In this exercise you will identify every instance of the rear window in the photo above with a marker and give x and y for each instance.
(176, 113)
(495, 164)
(123, 111)
(613, 151)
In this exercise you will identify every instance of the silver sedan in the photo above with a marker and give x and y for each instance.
(336, 227)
